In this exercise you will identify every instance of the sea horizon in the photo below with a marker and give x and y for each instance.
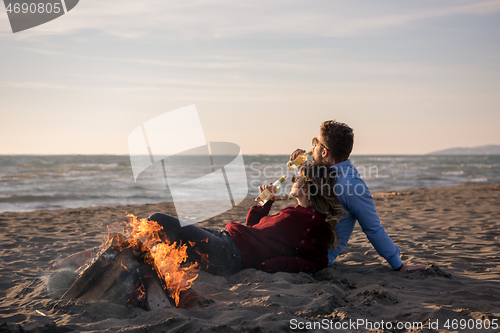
(33, 182)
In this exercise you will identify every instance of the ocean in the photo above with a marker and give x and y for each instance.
(31, 182)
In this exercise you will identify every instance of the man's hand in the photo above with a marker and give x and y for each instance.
(412, 267)
(296, 153)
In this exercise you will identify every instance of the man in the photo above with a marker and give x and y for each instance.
(333, 146)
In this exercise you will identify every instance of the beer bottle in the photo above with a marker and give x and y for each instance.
(299, 160)
(270, 191)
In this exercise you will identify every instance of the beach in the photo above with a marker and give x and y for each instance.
(454, 230)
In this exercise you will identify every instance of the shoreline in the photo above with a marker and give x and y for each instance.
(35, 183)
(375, 194)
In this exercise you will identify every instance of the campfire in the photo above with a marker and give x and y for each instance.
(137, 267)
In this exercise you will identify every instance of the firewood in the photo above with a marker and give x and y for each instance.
(119, 274)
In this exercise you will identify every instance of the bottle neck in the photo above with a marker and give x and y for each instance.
(280, 181)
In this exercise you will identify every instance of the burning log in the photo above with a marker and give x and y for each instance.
(125, 272)
(168, 259)
(120, 275)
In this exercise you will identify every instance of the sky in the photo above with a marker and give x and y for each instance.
(410, 77)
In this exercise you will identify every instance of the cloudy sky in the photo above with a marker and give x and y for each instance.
(410, 77)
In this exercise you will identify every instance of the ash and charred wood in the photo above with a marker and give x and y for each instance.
(111, 275)
(156, 296)
(119, 274)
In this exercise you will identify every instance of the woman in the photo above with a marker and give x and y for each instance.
(294, 240)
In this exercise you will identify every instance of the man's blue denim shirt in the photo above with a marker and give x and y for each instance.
(357, 202)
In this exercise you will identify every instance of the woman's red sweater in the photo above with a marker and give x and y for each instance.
(294, 240)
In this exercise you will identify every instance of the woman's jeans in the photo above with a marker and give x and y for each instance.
(224, 257)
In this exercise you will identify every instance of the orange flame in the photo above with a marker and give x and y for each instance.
(203, 257)
(140, 290)
(124, 267)
(137, 296)
(168, 259)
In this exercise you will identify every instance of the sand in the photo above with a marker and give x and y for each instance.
(454, 230)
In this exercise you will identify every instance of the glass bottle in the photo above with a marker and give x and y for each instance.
(270, 191)
(299, 160)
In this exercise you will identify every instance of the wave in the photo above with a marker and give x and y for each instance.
(54, 182)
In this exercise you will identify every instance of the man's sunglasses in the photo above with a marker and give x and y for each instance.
(315, 141)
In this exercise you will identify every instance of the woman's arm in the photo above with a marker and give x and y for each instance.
(256, 213)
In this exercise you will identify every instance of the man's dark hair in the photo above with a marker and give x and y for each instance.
(339, 139)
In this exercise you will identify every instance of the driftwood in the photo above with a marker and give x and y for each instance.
(119, 274)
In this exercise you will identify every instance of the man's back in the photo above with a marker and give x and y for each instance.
(358, 204)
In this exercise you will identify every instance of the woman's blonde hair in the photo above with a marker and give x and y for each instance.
(319, 181)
